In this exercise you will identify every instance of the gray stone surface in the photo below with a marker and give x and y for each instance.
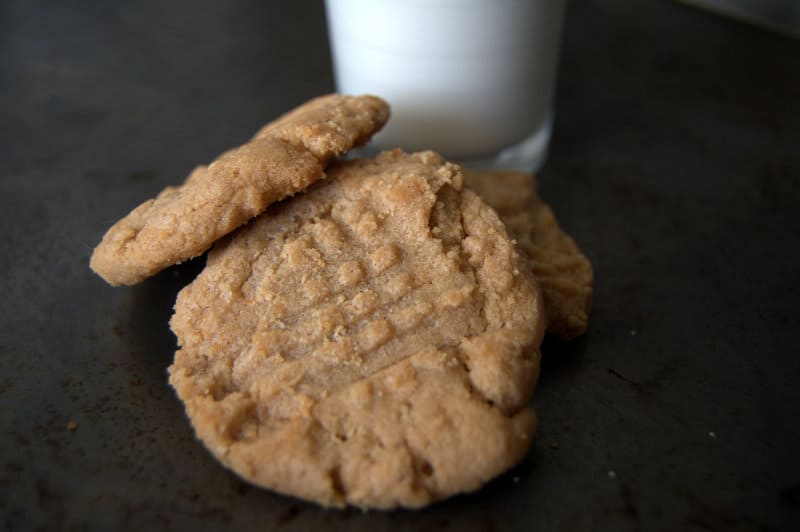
(675, 165)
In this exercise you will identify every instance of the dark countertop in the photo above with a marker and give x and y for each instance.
(675, 165)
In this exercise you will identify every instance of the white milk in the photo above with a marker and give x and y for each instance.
(465, 77)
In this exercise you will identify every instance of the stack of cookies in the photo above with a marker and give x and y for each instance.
(373, 340)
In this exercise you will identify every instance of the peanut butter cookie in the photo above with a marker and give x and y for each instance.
(563, 272)
(372, 342)
(285, 157)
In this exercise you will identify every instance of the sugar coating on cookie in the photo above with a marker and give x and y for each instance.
(563, 272)
(372, 342)
(285, 157)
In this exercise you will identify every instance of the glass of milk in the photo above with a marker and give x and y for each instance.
(471, 79)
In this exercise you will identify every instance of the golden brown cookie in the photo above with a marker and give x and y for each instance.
(285, 157)
(364, 343)
(563, 272)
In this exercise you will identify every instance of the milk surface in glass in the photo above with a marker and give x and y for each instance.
(473, 79)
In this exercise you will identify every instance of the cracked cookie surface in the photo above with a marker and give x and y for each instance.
(284, 157)
(563, 272)
(372, 342)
